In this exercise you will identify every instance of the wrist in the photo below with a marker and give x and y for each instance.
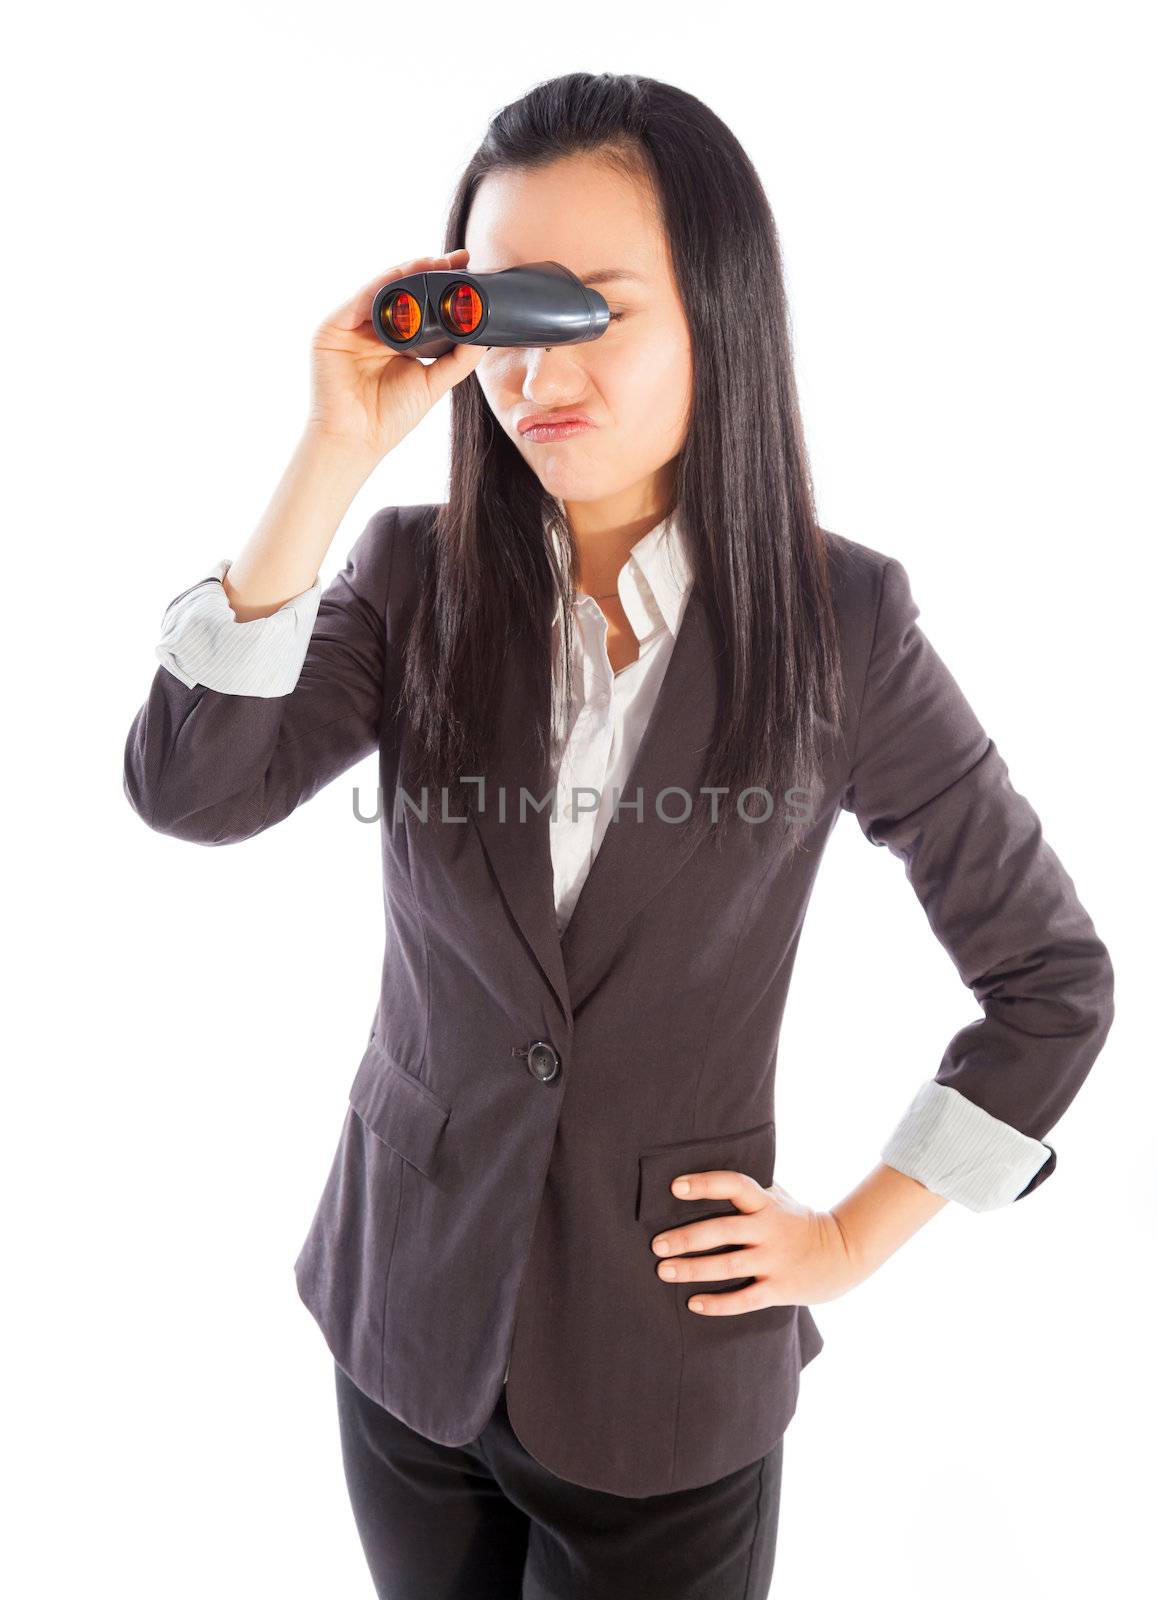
(850, 1244)
(340, 453)
(882, 1213)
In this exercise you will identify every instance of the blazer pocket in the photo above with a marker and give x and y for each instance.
(398, 1108)
(749, 1150)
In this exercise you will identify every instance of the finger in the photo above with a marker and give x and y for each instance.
(356, 310)
(712, 1231)
(722, 1304)
(710, 1269)
(738, 1187)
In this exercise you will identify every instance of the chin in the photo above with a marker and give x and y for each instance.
(568, 481)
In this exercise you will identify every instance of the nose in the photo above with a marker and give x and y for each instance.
(550, 381)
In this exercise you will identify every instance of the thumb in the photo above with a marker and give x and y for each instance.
(452, 367)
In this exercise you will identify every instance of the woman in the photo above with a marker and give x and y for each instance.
(566, 1300)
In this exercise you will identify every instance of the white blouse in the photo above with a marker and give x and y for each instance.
(610, 710)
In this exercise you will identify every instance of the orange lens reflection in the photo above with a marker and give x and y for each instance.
(462, 308)
(402, 315)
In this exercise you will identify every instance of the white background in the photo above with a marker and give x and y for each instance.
(964, 201)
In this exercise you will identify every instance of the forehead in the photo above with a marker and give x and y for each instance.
(577, 211)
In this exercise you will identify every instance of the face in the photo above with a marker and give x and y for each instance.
(634, 381)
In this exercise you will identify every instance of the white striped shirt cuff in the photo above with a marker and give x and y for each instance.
(957, 1149)
(203, 642)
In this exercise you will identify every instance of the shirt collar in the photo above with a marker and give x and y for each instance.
(655, 579)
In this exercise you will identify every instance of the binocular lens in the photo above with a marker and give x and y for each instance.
(402, 315)
(462, 308)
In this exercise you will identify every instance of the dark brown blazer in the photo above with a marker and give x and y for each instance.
(489, 1200)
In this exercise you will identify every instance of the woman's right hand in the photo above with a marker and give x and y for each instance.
(365, 394)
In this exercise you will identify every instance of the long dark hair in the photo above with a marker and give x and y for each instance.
(743, 493)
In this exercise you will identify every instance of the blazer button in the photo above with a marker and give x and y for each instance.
(542, 1060)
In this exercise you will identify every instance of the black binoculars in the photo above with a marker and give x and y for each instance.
(544, 303)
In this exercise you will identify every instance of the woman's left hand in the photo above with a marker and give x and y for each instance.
(797, 1256)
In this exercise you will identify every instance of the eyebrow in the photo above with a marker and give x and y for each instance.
(611, 275)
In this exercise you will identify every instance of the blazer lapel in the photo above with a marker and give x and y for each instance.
(518, 847)
(636, 857)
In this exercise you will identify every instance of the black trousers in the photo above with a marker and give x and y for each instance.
(486, 1521)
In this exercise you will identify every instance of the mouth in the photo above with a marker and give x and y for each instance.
(561, 425)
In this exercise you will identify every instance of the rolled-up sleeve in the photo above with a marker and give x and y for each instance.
(202, 642)
(928, 782)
